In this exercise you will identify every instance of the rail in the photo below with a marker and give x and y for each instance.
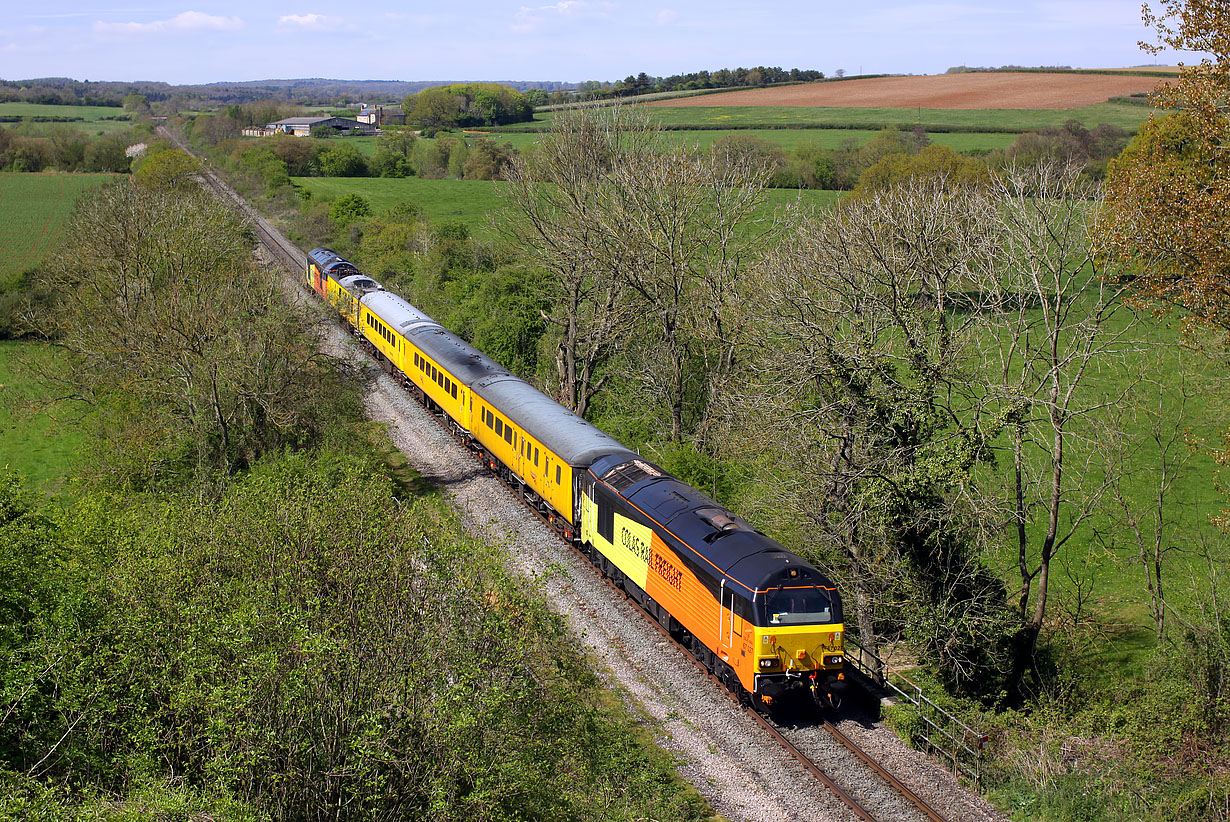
(940, 732)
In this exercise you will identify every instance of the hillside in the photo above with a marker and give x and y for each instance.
(973, 90)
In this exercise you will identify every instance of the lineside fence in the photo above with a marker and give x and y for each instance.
(938, 731)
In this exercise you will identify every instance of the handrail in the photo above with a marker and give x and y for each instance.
(943, 733)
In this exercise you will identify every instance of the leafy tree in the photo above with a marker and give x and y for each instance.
(185, 348)
(349, 208)
(168, 169)
(394, 154)
(136, 103)
(341, 160)
(1167, 195)
(485, 160)
(298, 154)
(440, 107)
(938, 162)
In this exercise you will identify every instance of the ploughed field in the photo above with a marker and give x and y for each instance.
(973, 90)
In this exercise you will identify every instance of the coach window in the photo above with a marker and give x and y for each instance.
(558, 481)
(454, 390)
(535, 456)
(508, 434)
(499, 427)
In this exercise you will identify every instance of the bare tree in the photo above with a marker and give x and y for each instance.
(683, 228)
(859, 390)
(1052, 306)
(645, 242)
(555, 200)
(1154, 463)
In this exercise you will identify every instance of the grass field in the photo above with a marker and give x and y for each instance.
(34, 209)
(92, 122)
(791, 138)
(92, 113)
(969, 120)
(472, 202)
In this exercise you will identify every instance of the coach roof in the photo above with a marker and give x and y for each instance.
(570, 437)
(395, 311)
(465, 362)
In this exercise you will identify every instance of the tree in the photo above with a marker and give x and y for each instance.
(394, 154)
(1167, 202)
(860, 402)
(939, 162)
(341, 160)
(136, 103)
(485, 160)
(438, 106)
(1056, 310)
(187, 350)
(554, 196)
(167, 169)
(348, 208)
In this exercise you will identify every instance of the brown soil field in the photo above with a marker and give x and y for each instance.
(975, 90)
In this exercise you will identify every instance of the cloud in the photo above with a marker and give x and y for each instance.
(666, 16)
(309, 21)
(183, 23)
(532, 18)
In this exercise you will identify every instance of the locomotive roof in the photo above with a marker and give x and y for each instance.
(465, 362)
(717, 537)
(332, 262)
(361, 283)
(572, 438)
(399, 314)
(323, 255)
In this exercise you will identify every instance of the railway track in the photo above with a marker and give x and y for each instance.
(285, 253)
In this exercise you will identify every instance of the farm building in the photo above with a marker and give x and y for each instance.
(302, 126)
(380, 117)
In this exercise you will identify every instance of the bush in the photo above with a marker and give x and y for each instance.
(349, 208)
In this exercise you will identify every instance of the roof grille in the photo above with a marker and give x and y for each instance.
(623, 477)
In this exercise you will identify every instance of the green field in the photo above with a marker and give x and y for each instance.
(34, 209)
(791, 138)
(92, 113)
(92, 121)
(472, 202)
(1011, 121)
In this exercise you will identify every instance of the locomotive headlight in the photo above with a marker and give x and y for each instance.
(768, 662)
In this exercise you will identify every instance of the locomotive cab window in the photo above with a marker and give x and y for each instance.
(799, 606)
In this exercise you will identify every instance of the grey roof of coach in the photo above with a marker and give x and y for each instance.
(576, 441)
(399, 314)
(465, 362)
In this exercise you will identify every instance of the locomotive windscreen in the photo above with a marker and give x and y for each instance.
(802, 606)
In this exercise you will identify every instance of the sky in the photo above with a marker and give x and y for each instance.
(570, 40)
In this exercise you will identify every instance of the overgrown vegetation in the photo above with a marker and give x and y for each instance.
(241, 617)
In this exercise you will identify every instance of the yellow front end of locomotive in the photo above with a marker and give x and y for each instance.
(799, 648)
